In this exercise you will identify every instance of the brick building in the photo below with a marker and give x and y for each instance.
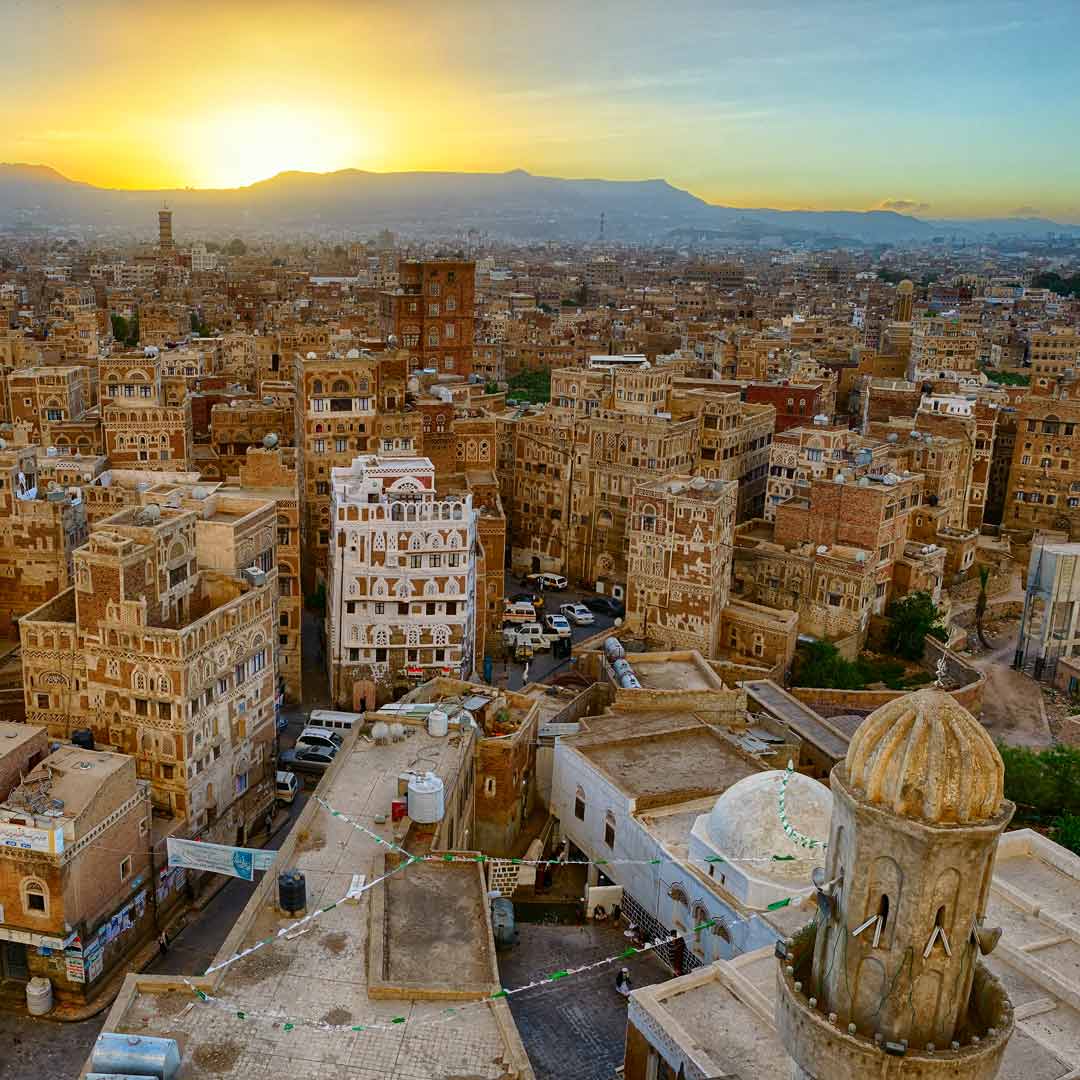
(335, 410)
(39, 532)
(169, 661)
(75, 844)
(432, 315)
(401, 601)
(679, 536)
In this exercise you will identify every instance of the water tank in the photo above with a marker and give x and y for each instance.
(613, 649)
(270, 440)
(502, 922)
(823, 549)
(353, 354)
(380, 732)
(292, 891)
(426, 799)
(397, 732)
(438, 723)
(39, 1000)
(83, 737)
(629, 681)
(139, 1055)
(622, 667)
(148, 515)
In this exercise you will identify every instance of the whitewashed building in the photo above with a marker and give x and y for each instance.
(401, 604)
(643, 795)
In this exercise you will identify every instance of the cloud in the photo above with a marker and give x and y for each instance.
(1024, 211)
(904, 206)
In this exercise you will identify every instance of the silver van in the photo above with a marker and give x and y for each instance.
(333, 720)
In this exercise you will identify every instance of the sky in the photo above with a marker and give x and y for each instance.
(945, 109)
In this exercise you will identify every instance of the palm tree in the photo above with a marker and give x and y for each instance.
(980, 604)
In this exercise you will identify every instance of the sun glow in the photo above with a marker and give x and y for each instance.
(242, 145)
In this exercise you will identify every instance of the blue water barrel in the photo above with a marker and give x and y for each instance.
(136, 1055)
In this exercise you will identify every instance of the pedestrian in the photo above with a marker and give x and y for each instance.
(163, 942)
(622, 982)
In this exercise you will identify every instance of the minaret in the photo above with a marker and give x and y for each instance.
(905, 299)
(887, 981)
(165, 237)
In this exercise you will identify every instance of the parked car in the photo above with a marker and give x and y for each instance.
(605, 605)
(285, 786)
(306, 759)
(548, 581)
(531, 634)
(320, 738)
(557, 624)
(533, 598)
(578, 614)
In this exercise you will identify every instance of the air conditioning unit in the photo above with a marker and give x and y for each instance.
(254, 575)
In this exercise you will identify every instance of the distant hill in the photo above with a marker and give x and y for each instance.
(513, 205)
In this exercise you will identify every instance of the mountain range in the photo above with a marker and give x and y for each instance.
(513, 205)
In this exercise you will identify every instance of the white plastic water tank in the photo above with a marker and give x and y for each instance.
(426, 799)
(438, 723)
(380, 732)
(39, 997)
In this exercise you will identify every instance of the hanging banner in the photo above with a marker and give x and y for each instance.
(219, 858)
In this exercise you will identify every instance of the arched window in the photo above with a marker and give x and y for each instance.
(340, 386)
(35, 897)
(678, 894)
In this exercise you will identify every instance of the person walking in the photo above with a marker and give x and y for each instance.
(622, 982)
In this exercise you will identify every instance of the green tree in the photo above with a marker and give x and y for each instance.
(980, 604)
(534, 386)
(236, 247)
(1067, 832)
(912, 618)
(1044, 784)
(491, 387)
(120, 328)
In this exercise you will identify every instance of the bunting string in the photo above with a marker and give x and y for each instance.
(481, 858)
(790, 831)
(289, 1022)
(294, 928)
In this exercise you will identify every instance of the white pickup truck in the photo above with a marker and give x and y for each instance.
(527, 634)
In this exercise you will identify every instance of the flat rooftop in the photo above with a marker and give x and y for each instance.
(317, 979)
(674, 671)
(651, 755)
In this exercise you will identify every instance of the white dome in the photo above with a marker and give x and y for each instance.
(745, 823)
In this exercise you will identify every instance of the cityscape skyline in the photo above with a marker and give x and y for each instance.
(937, 116)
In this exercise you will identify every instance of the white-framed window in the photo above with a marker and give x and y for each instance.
(35, 897)
(125, 868)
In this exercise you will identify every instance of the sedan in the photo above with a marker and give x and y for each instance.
(605, 605)
(306, 760)
(578, 614)
(557, 624)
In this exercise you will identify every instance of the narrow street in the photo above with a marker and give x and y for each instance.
(41, 1049)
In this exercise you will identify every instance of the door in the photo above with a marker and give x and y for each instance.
(13, 963)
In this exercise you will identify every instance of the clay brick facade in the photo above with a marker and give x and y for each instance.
(432, 314)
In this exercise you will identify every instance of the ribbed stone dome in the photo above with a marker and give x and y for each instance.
(924, 756)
